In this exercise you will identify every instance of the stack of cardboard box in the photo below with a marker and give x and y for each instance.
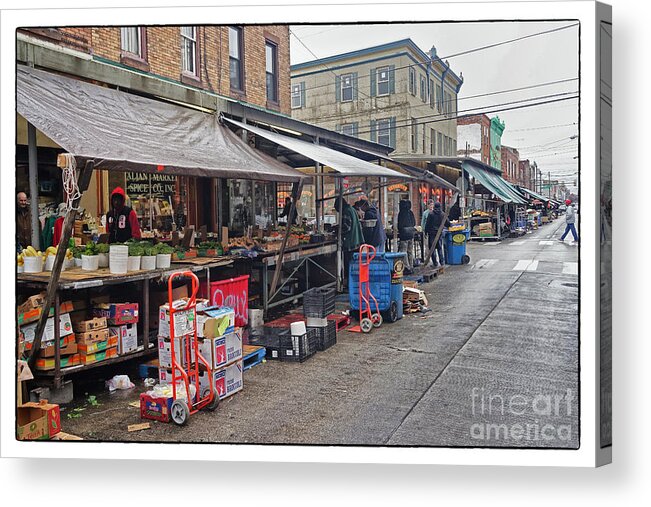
(93, 340)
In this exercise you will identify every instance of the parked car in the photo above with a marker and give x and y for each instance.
(562, 208)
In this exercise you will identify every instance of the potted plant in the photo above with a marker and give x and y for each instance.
(148, 260)
(163, 255)
(103, 252)
(76, 255)
(90, 257)
(135, 254)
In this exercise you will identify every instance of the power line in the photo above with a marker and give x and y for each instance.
(545, 127)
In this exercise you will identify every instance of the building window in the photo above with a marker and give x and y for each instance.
(432, 142)
(271, 56)
(454, 147)
(131, 40)
(439, 143)
(412, 81)
(349, 129)
(439, 98)
(236, 57)
(384, 131)
(346, 88)
(423, 89)
(432, 95)
(414, 135)
(297, 95)
(189, 50)
(383, 81)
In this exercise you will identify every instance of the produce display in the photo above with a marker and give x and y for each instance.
(30, 251)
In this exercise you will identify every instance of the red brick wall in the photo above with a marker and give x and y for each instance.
(485, 123)
(512, 173)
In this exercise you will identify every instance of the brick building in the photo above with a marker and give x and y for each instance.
(511, 165)
(474, 131)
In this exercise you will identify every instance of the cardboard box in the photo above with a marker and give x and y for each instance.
(83, 326)
(65, 329)
(227, 380)
(32, 303)
(223, 350)
(165, 352)
(98, 356)
(90, 337)
(38, 421)
(44, 363)
(117, 313)
(184, 320)
(33, 314)
(157, 409)
(159, 298)
(68, 347)
(95, 347)
(127, 336)
(217, 321)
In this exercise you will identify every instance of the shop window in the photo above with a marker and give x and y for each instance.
(271, 66)
(236, 58)
(240, 203)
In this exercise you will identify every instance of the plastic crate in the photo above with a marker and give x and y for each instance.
(285, 347)
(327, 336)
(319, 302)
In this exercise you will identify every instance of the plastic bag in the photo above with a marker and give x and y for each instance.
(119, 382)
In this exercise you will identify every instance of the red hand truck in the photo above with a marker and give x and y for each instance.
(371, 320)
(188, 371)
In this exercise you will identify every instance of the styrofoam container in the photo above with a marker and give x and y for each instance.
(76, 262)
(89, 262)
(133, 263)
(103, 260)
(118, 259)
(118, 251)
(49, 262)
(148, 262)
(21, 269)
(298, 328)
(68, 263)
(33, 264)
(163, 260)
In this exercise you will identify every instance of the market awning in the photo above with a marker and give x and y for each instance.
(125, 132)
(343, 164)
(535, 195)
(493, 183)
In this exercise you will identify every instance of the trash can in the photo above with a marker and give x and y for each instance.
(385, 273)
(456, 246)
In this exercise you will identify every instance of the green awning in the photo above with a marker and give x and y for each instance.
(535, 195)
(494, 183)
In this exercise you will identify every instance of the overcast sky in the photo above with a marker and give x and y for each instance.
(532, 61)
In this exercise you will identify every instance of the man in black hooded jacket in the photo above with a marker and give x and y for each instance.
(434, 221)
(406, 232)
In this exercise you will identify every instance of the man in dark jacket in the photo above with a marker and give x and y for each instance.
(374, 235)
(23, 222)
(121, 221)
(406, 232)
(434, 221)
(455, 211)
(286, 210)
(351, 232)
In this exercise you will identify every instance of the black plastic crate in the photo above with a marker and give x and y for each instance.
(285, 347)
(327, 335)
(319, 302)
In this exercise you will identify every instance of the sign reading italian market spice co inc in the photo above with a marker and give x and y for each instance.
(158, 185)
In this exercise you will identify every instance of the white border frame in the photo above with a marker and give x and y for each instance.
(588, 454)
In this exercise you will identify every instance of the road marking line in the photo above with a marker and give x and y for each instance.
(545, 242)
(484, 263)
(570, 268)
(518, 243)
(526, 265)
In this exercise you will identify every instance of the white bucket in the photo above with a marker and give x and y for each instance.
(316, 322)
(49, 262)
(298, 328)
(68, 263)
(21, 269)
(163, 260)
(89, 262)
(256, 318)
(33, 264)
(76, 262)
(103, 260)
(148, 262)
(118, 259)
(133, 263)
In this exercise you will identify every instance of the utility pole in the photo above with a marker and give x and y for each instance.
(549, 181)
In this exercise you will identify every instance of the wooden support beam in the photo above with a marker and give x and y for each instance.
(83, 179)
(296, 193)
(438, 233)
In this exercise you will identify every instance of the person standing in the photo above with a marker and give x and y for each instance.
(434, 221)
(428, 210)
(455, 211)
(570, 218)
(286, 209)
(121, 221)
(375, 234)
(351, 232)
(406, 232)
(23, 222)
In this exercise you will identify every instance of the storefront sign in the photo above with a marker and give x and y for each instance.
(398, 187)
(158, 185)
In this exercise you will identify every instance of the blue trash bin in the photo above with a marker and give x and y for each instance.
(385, 274)
(456, 246)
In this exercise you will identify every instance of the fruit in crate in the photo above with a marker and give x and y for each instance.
(20, 259)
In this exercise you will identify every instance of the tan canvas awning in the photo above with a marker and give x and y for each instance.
(121, 131)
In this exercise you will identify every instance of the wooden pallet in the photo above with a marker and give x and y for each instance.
(341, 321)
(252, 355)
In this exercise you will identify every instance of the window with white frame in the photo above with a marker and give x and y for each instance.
(439, 98)
(412, 80)
(236, 58)
(271, 68)
(131, 40)
(423, 89)
(383, 81)
(348, 129)
(297, 97)
(439, 144)
(346, 87)
(432, 95)
(384, 131)
(414, 134)
(432, 142)
(189, 49)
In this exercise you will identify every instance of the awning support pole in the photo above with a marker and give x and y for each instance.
(340, 248)
(83, 179)
(33, 185)
(296, 192)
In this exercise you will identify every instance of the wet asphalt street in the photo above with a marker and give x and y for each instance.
(495, 363)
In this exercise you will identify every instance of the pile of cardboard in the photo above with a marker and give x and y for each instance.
(219, 342)
(413, 299)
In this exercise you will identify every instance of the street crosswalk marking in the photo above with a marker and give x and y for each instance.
(570, 268)
(521, 242)
(526, 265)
(484, 263)
(545, 242)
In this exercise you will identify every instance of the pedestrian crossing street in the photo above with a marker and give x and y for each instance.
(529, 265)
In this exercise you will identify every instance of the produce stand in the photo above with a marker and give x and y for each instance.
(76, 279)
